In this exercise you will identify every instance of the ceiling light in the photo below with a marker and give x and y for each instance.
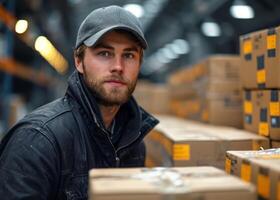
(180, 46)
(211, 29)
(51, 54)
(135, 9)
(162, 56)
(241, 10)
(21, 26)
(169, 53)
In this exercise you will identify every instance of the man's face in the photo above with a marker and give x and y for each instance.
(110, 69)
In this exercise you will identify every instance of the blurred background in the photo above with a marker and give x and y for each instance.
(37, 39)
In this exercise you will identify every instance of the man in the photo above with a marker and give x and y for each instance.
(48, 154)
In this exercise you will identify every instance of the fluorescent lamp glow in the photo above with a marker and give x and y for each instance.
(169, 53)
(242, 12)
(51, 54)
(135, 9)
(211, 29)
(21, 26)
(162, 56)
(180, 46)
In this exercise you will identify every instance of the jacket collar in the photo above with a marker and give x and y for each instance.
(139, 122)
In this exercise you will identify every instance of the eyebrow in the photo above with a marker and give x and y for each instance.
(106, 46)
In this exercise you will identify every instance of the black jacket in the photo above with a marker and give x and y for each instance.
(47, 155)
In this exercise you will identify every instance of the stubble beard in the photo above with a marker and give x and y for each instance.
(109, 97)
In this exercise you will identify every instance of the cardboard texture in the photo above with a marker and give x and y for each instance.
(275, 144)
(261, 112)
(260, 57)
(152, 97)
(211, 90)
(191, 183)
(178, 142)
(261, 168)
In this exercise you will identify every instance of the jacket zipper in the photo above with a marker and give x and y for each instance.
(117, 158)
(115, 151)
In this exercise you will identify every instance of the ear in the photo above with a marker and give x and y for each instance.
(79, 64)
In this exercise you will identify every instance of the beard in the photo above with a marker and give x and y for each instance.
(112, 96)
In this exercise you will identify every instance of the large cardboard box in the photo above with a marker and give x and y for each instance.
(177, 142)
(260, 56)
(262, 168)
(212, 87)
(192, 183)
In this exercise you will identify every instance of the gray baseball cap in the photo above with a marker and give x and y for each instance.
(103, 20)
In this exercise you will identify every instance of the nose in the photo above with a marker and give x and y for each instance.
(117, 65)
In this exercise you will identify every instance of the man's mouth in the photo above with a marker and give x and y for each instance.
(115, 82)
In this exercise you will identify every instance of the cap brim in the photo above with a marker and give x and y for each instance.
(91, 41)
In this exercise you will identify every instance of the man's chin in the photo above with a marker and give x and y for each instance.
(116, 100)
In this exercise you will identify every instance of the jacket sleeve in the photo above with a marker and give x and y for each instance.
(29, 167)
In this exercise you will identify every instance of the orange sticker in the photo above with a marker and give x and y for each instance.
(271, 41)
(248, 107)
(181, 152)
(228, 165)
(274, 108)
(263, 186)
(261, 76)
(247, 46)
(263, 128)
(246, 172)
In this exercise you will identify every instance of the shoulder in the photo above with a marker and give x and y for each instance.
(54, 122)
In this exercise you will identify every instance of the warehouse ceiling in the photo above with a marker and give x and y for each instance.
(166, 23)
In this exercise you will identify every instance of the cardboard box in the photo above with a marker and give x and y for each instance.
(224, 110)
(152, 97)
(191, 183)
(208, 91)
(262, 168)
(186, 108)
(260, 59)
(262, 112)
(177, 142)
(273, 104)
(255, 111)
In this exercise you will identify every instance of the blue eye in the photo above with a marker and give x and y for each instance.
(129, 55)
(105, 53)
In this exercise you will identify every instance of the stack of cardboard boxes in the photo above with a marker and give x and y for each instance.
(260, 75)
(208, 91)
(178, 142)
(261, 168)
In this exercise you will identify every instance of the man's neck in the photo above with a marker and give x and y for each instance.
(108, 114)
